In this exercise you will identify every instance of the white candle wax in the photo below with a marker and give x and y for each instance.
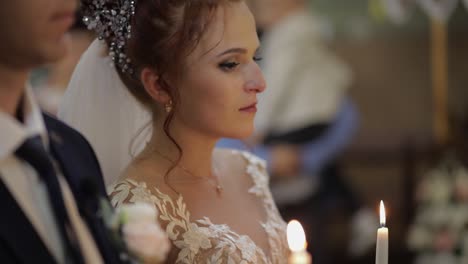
(381, 254)
(300, 257)
(381, 251)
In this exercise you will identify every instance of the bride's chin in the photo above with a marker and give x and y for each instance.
(241, 133)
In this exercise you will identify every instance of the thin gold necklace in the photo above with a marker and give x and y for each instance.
(219, 188)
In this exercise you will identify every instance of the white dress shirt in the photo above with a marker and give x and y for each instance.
(30, 192)
(306, 82)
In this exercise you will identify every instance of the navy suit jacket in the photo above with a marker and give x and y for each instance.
(19, 242)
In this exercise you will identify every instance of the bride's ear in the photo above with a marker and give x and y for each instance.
(150, 80)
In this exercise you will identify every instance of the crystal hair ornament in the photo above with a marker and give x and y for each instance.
(111, 20)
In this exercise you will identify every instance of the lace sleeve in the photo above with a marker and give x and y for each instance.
(256, 168)
(129, 191)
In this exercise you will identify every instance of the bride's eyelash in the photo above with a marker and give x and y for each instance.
(229, 66)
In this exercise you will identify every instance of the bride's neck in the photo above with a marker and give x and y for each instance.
(197, 149)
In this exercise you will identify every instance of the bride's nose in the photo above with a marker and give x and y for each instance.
(256, 82)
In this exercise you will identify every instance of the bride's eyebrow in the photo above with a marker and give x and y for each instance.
(233, 50)
(236, 51)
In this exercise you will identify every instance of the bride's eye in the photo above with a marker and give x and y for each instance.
(229, 65)
(257, 58)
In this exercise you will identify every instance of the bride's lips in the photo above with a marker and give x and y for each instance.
(252, 108)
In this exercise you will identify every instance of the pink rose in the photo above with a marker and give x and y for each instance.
(147, 240)
(142, 233)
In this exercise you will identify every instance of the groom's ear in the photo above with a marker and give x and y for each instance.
(150, 80)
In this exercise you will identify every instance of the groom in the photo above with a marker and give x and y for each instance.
(51, 186)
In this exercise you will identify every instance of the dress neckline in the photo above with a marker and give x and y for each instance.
(174, 212)
(180, 202)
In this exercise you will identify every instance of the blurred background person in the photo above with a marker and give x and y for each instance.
(305, 120)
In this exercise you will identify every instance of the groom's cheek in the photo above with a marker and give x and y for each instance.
(33, 32)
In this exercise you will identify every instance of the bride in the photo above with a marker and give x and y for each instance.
(192, 67)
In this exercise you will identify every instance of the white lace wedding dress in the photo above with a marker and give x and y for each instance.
(202, 241)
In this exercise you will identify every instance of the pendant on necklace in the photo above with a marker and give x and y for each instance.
(219, 189)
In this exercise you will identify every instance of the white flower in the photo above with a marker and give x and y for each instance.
(142, 233)
(147, 240)
(138, 212)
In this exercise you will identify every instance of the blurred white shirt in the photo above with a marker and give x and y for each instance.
(305, 81)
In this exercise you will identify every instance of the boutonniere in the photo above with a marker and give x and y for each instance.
(135, 227)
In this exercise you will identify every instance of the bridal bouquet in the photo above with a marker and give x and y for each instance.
(137, 225)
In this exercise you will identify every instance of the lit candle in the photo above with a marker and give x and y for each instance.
(297, 243)
(381, 254)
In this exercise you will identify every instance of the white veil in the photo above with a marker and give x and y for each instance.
(98, 105)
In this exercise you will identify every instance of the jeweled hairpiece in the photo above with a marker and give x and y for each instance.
(111, 20)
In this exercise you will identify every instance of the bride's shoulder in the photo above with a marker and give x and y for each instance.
(129, 188)
(127, 180)
(239, 159)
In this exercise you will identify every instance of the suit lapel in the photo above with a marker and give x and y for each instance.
(70, 164)
(81, 177)
(23, 239)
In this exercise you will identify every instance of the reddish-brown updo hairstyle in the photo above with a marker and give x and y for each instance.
(163, 34)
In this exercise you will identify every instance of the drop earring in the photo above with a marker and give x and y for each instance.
(168, 106)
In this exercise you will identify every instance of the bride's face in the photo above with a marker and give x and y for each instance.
(218, 90)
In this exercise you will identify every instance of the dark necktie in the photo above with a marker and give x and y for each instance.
(33, 152)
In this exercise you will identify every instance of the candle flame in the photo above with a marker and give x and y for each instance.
(382, 214)
(296, 236)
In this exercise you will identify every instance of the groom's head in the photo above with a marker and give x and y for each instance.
(33, 32)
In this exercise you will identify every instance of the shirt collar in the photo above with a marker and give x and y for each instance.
(15, 133)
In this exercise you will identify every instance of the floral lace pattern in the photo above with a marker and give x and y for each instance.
(202, 241)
